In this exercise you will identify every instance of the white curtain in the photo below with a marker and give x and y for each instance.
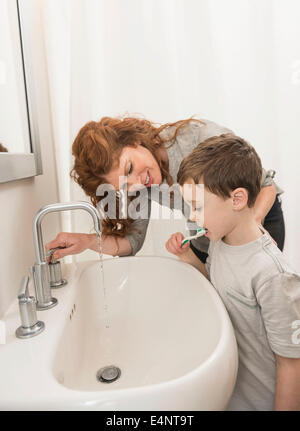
(236, 62)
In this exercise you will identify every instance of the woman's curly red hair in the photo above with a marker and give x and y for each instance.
(97, 149)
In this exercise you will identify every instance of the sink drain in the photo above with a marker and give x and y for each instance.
(108, 374)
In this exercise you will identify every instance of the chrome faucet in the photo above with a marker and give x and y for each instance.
(40, 270)
(30, 325)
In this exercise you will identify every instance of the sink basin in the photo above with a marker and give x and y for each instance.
(157, 319)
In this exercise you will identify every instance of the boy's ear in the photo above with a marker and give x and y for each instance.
(239, 198)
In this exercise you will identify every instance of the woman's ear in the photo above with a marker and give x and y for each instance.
(239, 199)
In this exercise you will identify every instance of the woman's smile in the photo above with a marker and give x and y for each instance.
(149, 180)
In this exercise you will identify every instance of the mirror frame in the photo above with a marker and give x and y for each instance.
(17, 166)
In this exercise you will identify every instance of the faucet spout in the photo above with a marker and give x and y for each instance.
(37, 231)
(40, 269)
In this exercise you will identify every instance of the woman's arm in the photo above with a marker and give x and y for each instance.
(287, 394)
(264, 202)
(74, 243)
(112, 245)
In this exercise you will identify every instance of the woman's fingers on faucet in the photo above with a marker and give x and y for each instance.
(70, 243)
(59, 241)
(59, 254)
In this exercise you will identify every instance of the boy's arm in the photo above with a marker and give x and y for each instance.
(184, 253)
(190, 257)
(287, 394)
(276, 298)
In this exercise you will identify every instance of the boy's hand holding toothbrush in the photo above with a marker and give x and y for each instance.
(173, 245)
(179, 245)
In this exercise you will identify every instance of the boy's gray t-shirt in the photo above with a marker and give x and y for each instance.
(262, 296)
(186, 140)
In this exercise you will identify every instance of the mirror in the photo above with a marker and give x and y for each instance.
(19, 143)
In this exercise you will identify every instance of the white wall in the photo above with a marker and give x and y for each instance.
(19, 200)
(236, 62)
(167, 60)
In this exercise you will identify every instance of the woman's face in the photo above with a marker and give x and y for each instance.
(137, 167)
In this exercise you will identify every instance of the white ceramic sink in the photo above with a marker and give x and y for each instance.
(164, 326)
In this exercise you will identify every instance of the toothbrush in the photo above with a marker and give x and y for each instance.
(200, 232)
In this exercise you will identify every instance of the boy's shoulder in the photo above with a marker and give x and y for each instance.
(261, 260)
(271, 263)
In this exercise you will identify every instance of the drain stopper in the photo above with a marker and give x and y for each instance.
(108, 374)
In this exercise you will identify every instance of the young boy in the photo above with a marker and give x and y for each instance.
(260, 291)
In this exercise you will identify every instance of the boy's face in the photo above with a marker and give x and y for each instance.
(214, 213)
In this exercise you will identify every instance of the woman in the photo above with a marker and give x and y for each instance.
(143, 154)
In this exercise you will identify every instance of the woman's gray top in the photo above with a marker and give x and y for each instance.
(187, 139)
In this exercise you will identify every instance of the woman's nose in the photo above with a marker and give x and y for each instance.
(192, 216)
(135, 183)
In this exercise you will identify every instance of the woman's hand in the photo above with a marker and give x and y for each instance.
(265, 230)
(71, 243)
(174, 242)
(264, 202)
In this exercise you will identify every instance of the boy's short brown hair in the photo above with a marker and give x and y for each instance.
(224, 163)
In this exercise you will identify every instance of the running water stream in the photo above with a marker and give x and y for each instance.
(108, 373)
(106, 321)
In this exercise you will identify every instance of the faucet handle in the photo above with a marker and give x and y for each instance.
(30, 326)
(56, 279)
(50, 253)
(23, 292)
(41, 279)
